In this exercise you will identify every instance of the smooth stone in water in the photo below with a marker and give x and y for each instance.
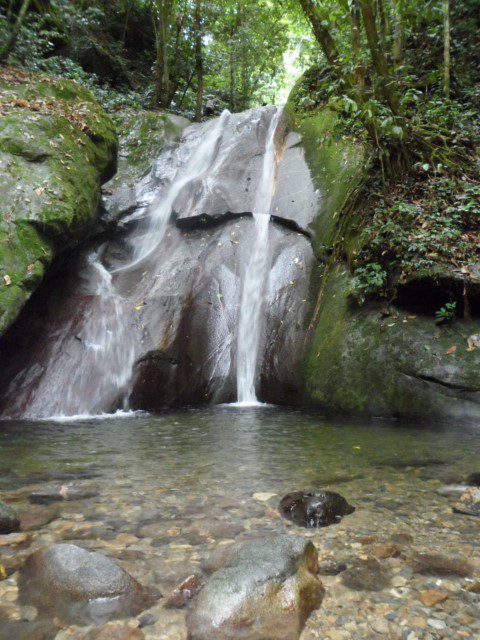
(265, 590)
(366, 575)
(314, 509)
(9, 521)
(441, 565)
(47, 495)
(79, 585)
(469, 502)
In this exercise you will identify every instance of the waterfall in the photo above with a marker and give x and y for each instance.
(197, 166)
(250, 321)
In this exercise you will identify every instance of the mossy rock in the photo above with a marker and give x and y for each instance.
(401, 365)
(338, 163)
(56, 147)
(143, 135)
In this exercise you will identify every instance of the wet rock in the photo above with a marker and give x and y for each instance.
(9, 521)
(314, 509)
(15, 539)
(114, 632)
(37, 517)
(266, 590)
(184, 592)
(366, 575)
(381, 626)
(47, 495)
(384, 551)
(441, 565)
(79, 585)
(331, 568)
(474, 479)
(469, 502)
(432, 597)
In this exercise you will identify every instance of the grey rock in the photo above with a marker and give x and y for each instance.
(9, 520)
(79, 585)
(264, 590)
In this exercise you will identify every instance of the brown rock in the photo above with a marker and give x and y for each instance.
(37, 517)
(383, 551)
(114, 632)
(366, 575)
(439, 565)
(186, 590)
(469, 502)
(433, 597)
(15, 539)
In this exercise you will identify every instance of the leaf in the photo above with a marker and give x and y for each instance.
(451, 351)
(471, 346)
(39, 191)
(30, 267)
(8, 280)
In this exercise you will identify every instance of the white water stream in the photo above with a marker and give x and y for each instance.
(250, 321)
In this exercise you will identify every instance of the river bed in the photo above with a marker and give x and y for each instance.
(173, 487)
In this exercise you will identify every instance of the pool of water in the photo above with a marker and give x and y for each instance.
(173, 487)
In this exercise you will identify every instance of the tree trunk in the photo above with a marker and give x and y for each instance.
(198, 59)
(12, 40)
(378, 56)
(162, 78)
(320, 31)
(397, 33)
(357, 49)
(446, 48)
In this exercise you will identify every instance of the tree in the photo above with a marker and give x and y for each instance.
(198, 60)
(446, 48)
(12, 40)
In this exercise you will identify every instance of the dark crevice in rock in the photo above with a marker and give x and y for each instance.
(442, 383)
(206, 220)
(427, 294)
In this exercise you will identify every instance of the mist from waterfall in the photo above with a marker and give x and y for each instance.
(250, 320)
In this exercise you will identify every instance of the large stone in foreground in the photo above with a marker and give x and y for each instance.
(79, 585)
(265, 590)
(9, 520)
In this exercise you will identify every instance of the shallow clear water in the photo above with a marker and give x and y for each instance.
(186, 481)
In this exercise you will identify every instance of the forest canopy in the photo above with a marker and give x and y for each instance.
(403, 72)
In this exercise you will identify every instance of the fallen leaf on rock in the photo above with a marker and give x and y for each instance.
(451, 351)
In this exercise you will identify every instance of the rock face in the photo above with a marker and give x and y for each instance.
(163, 332)
(79, 585)
(265, 590)
(56, 146)
(315, 509)
(9, 521)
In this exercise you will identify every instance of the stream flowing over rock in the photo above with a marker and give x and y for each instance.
(149, 318)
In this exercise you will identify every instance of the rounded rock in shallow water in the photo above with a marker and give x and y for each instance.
(314, 509)
(79, 585)
(9, 521)
(469, 502)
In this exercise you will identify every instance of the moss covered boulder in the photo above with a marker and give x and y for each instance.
(374, 358)
(362, 361)
(56, 147)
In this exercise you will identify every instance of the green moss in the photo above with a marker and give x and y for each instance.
(337, 163)
(54, 151)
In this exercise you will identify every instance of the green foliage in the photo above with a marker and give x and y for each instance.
(404, 238)
(446, 313)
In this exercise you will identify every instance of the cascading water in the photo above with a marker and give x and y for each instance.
(250, 325)
(177, 306)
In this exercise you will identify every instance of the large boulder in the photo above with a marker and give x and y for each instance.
(9, 520)
(56, 147)
(79, 585)
(315, 508)
(264, 590)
